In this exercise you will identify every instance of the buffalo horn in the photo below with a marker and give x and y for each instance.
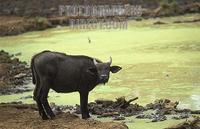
(95, 62)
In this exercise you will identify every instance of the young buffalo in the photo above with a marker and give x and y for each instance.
(66, 73)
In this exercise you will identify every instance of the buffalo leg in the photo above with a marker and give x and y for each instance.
(43, 98)
(36, 97)
(84, 105)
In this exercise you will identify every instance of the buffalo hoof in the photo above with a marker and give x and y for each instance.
(52, 117)
(85, 116)
(44, 117)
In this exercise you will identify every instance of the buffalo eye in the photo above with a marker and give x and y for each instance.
(92, 71)
(106, 68)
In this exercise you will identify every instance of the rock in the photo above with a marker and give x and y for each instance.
(109, 114)
(157, 118)
(77, 109)
(27, 97)
(149, 106)
(171, 105)
(165, 111)
(145, 116)
(105, 103)
(14, 102)
(161, 104)
(20, 75)
(154, 116)
(97, 109)
(57, 109)
(181, 116)
(118, 118)
(122, 103)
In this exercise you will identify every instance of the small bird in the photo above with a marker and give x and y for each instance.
(89, 41)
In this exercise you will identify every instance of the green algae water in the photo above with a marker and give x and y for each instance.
(158, 61)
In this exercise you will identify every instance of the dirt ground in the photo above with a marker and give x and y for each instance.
(15, 116)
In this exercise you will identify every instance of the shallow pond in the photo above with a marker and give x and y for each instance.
(158, 62)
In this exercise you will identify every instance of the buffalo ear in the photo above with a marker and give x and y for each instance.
(92, 70)
(115, 69)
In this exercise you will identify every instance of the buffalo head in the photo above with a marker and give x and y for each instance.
(102, 70)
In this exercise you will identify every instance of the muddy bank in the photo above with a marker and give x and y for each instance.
(14, 74)
(22, 116)
(159, 110)
(190, 124)
(13, 25)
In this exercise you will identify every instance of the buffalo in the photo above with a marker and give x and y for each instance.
(67, 73)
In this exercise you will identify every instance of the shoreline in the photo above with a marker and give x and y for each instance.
(14, 74)
(65, 118)
(15, 25)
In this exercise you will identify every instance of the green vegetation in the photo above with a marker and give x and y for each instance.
(40, 22)
(169, 8)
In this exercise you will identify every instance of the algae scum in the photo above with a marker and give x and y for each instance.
(158, 61)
